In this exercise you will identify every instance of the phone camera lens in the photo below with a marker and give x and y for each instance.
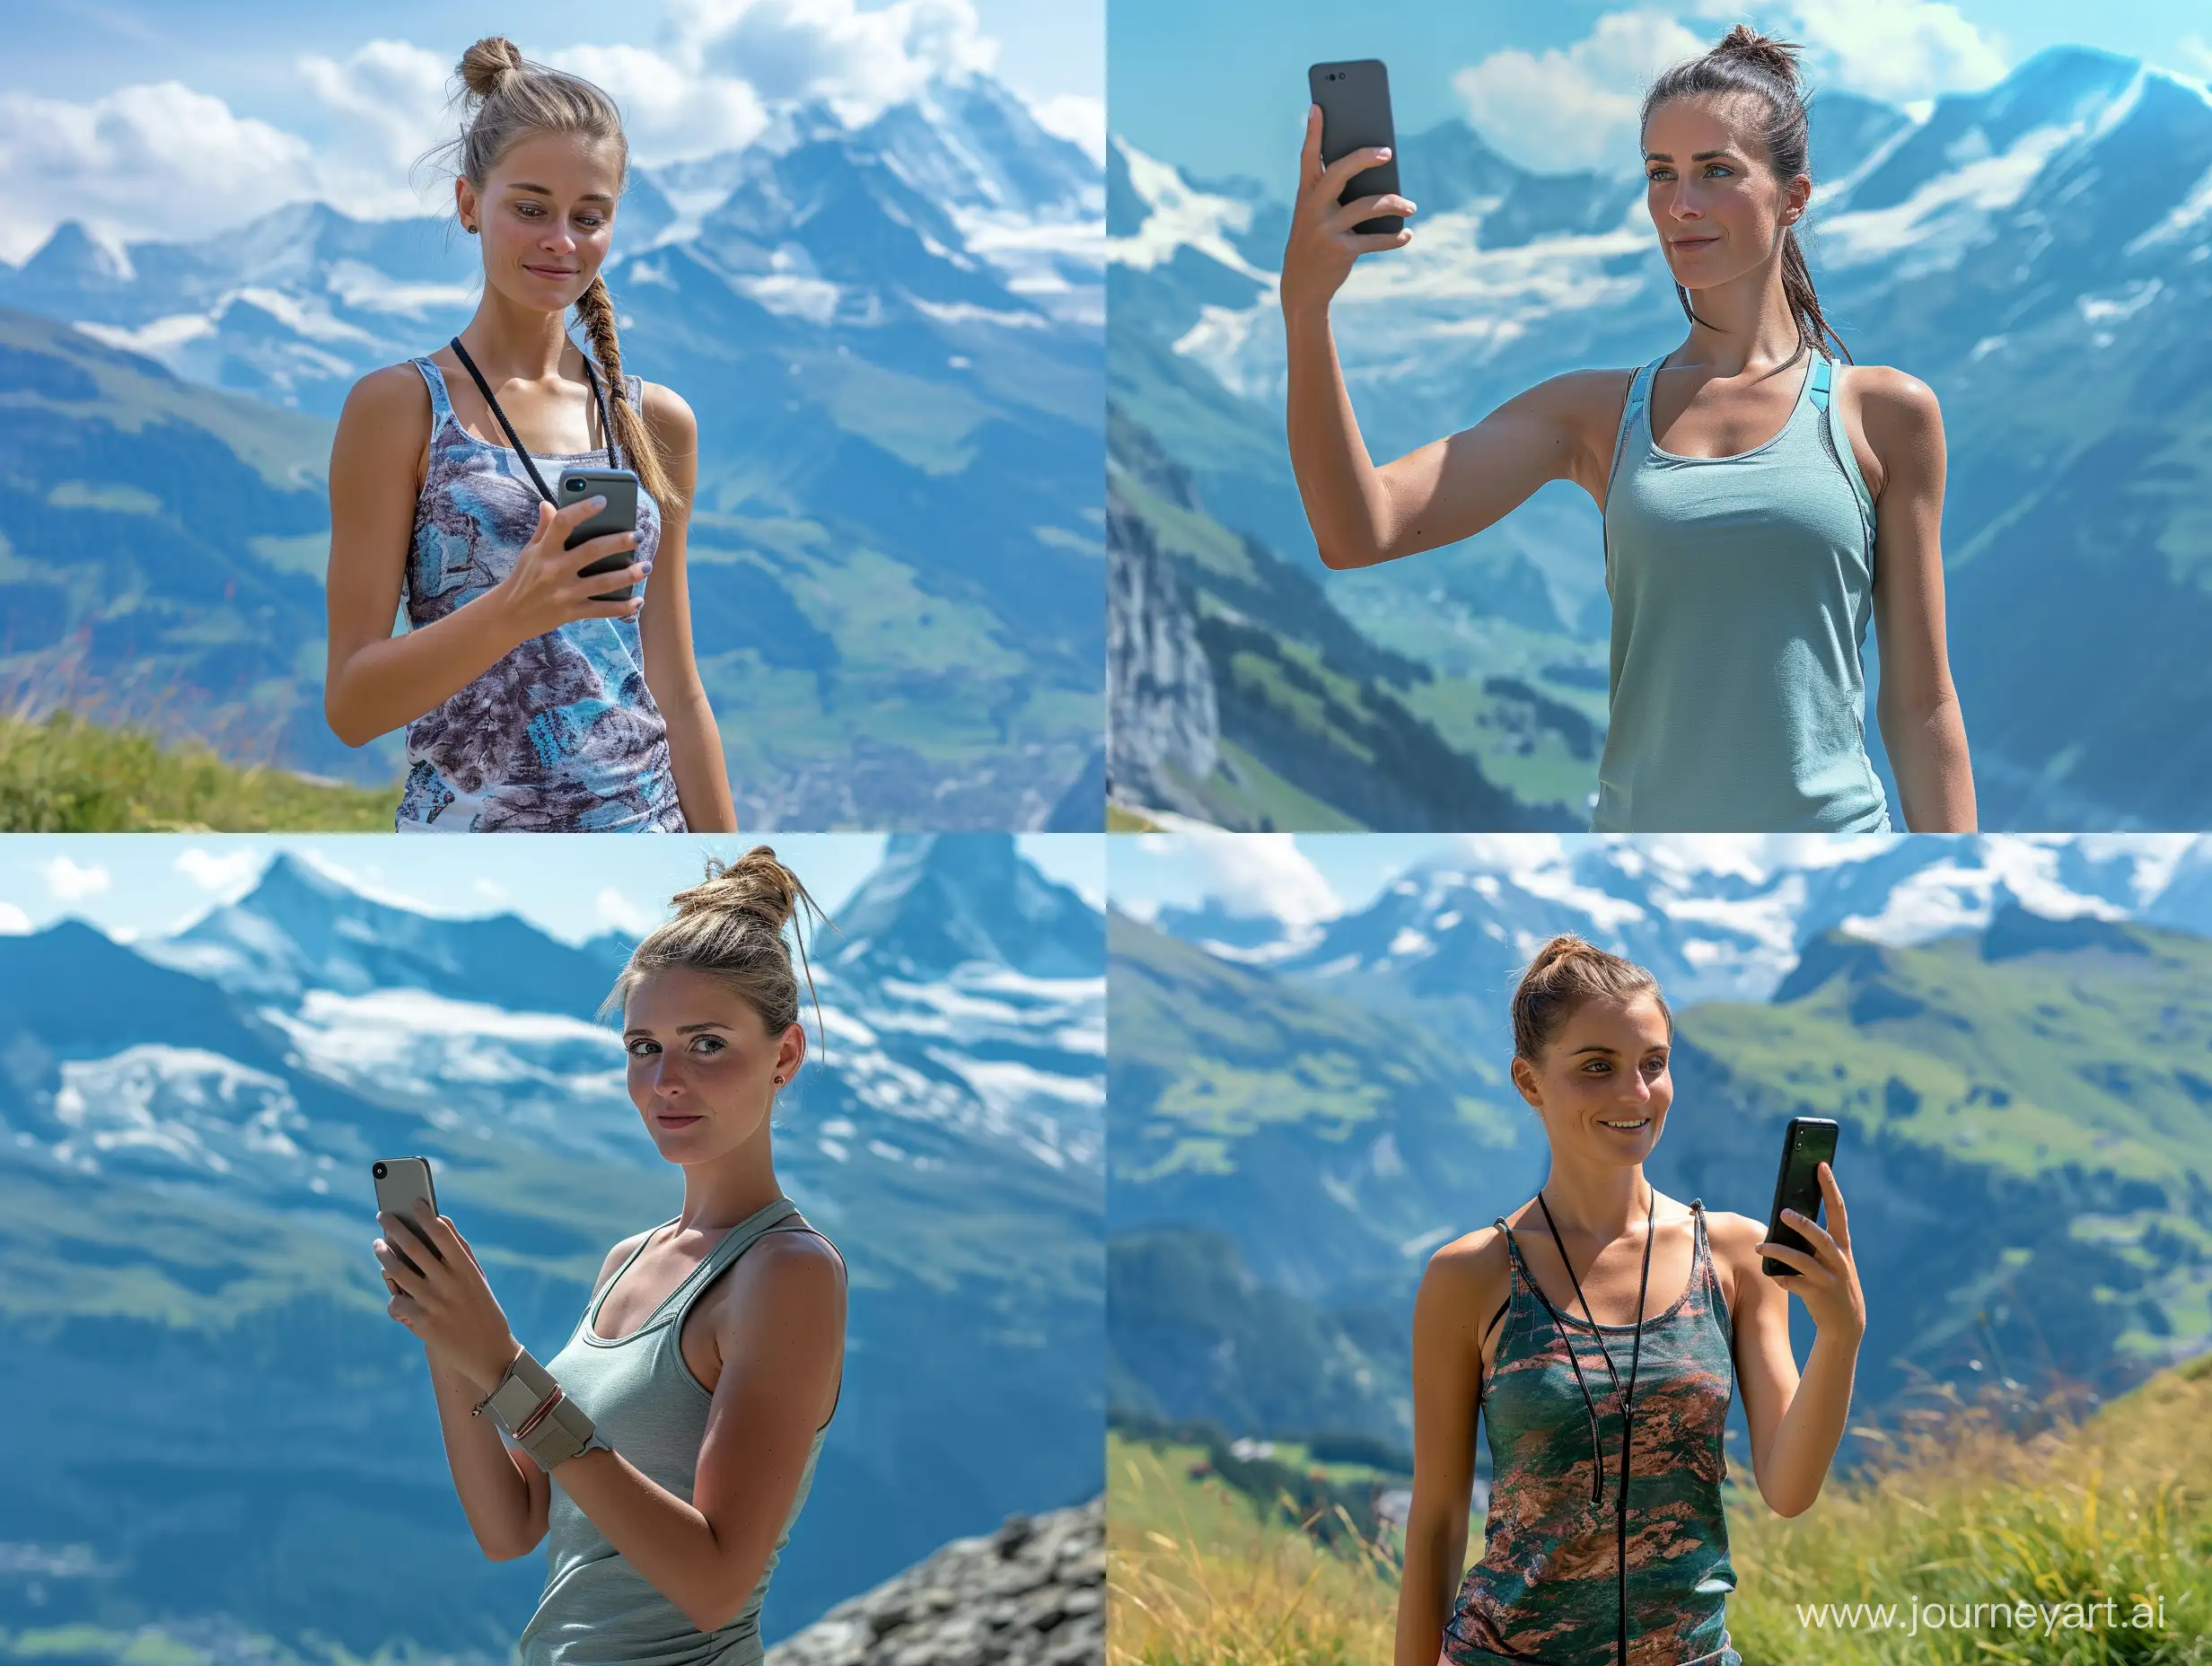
(380, 1170)
(576, 486)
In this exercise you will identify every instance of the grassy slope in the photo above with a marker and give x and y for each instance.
(69, 776)
(1960, 1511)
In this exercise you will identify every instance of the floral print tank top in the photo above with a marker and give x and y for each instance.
(562, 735)
(1547, 1587)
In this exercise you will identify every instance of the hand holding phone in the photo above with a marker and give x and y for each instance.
(1806, 1143)
(400, 1181)
(1347, 203)
(1355, 99)
(618, 486)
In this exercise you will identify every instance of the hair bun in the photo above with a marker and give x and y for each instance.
(1563, 946)
(1778, 58)
(755, 886)
(488, 62)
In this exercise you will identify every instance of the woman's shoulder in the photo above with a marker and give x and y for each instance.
(1470, 1264)
(394, 392)
(666, 414)
(1885, 394)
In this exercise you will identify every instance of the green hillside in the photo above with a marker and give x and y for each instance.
(1961, 1508)
(1326, 730)
(69, 776)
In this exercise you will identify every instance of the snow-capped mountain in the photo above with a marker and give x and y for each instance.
(953, 209)
(212, 1099)
(2037, 252)
(1714, 919)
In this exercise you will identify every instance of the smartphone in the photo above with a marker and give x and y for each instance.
(1355, 112)
(1806, 1143)
(399, 1181)
(618, 486)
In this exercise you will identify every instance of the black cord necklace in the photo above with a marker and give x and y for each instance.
(1626, 1398)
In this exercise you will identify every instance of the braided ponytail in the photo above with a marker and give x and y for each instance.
(1748, 63)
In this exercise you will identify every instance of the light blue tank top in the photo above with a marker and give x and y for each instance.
(1742, 587)
(596, 1610)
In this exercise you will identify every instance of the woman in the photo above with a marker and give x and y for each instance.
(1602, 1442)
(540, 707)
(708, 1362)
(1747, 482)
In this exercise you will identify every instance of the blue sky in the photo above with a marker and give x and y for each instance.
(1218, 86)
(573, 886)
(151, 119)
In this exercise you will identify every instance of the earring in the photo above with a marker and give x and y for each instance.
(779, 1082)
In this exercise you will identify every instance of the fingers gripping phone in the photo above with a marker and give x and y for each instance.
(1355, 98)
(618, 486)
(399, 1181)
(1806, 1143)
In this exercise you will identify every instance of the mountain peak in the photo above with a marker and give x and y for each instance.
(938, 901)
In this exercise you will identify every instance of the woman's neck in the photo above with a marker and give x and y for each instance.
(511, 343)
(1602, 1204)
(1743, 325)
(726, 1189)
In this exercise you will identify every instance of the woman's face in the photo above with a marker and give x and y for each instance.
(702, 1064)
(544, 217)
(1607, 1065)
(1718, 209)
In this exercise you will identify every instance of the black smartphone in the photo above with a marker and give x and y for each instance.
(1806, 1143)
(399, 1181)
(1355, 98)
(618, 486)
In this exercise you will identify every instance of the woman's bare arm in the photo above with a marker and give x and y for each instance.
(781, 1340)
(1796, 1423)
(1451, 488)
(373, 681)
(672, 666)
(1447, 1394)
(1917, 705)
(502, 1492)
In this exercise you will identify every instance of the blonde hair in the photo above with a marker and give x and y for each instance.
(506, 98)
(730, 926)
(1566, 972)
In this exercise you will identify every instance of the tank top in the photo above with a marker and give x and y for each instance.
(596, 1609)
(1547, 1587)
(1742, 587)
(562, 734)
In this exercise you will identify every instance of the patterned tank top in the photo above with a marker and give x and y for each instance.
(562, 735)
(1547, 1587)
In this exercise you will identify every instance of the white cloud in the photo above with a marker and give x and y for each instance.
(1262, 873)
(145, 160)
(163, 161)
(670, 113)
(13, 921)
(859, 60)
(1076, 116)
(1555, 109)
(389, 104)
(72, 884)
(214, 872)
(1901, 50)
(624, 914)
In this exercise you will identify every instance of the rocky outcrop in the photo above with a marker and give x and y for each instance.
(1032, 1594)
(1161, 721)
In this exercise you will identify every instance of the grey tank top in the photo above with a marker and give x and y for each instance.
(560, 736)
(1742, 587)
(596, 1610)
